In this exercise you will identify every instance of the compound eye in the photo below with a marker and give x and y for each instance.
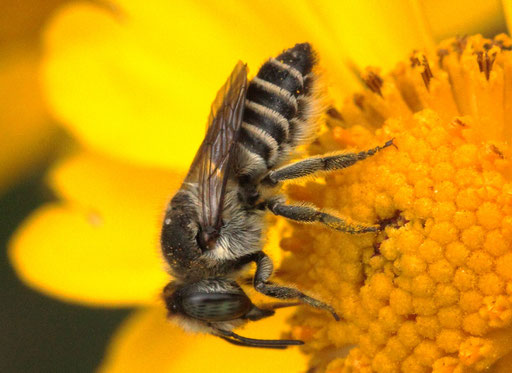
(216, 306)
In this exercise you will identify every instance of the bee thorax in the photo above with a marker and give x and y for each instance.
(241, 232)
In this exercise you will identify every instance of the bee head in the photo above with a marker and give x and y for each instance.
(211, 300)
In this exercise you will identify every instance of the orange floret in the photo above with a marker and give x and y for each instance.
(445, 365)
(432, 291)
(497, 310)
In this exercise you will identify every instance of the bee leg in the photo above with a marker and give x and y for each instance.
(315, 164)
(238, 340)
(264, 268)
(277, 305)
(266, 310)
(245, 344)
(308, 214)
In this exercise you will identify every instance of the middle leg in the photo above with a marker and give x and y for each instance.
(307, 214)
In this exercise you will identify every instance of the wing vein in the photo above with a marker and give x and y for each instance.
(213, 162)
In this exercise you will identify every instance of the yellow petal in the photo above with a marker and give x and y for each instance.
(148, 343)
(101, 246)
(507, 8)
(26, 134)
(113, 94)
(62, 252)
(452, 18)
(114, 188)
(139, 84)
(375, 33)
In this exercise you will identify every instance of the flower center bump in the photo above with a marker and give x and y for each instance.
(433, 290)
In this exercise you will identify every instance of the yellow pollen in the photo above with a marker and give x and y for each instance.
(432, 291)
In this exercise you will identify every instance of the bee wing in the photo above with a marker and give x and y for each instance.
(212, 163)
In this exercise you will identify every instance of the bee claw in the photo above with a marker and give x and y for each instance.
(335, 315)
(332, 311)
(389, 143)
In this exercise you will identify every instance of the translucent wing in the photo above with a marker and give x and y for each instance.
(212, 163)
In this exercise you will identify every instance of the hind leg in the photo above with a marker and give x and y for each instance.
(264, 269)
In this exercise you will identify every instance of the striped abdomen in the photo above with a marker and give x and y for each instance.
(277, 112)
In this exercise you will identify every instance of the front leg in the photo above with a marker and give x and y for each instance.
(308, 214)
(264, 268)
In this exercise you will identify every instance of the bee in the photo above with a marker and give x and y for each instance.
(213, 226)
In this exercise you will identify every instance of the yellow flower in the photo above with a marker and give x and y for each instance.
(433, 289)
(134, 82)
